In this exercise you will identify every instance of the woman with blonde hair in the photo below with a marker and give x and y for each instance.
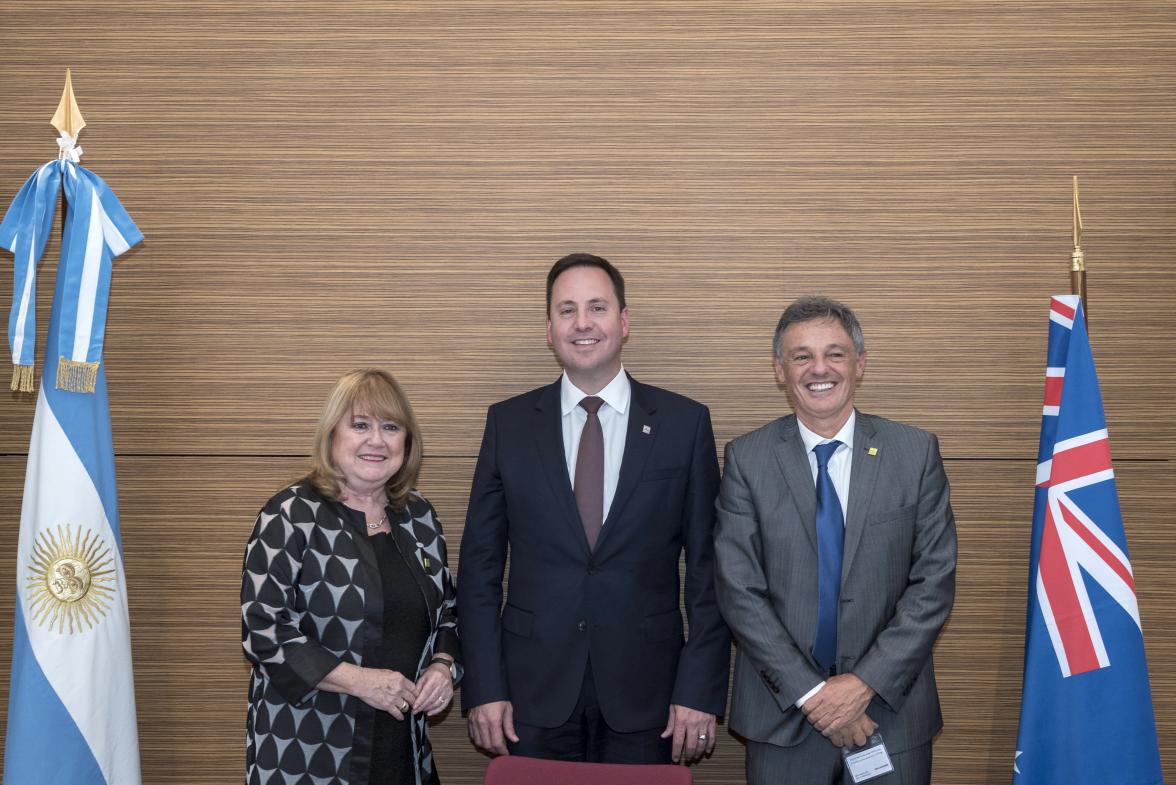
(347, 604)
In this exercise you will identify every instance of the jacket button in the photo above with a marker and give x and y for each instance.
(582, 626)
(592, 570)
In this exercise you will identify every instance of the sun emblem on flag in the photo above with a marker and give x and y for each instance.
(71, 579)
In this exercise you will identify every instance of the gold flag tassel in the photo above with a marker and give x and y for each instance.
(76, 375)
(22, 378)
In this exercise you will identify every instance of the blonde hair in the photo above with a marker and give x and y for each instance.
(377, 393)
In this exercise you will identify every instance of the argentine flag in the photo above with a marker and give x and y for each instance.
(71, 711)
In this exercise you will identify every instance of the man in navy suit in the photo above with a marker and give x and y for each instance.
(595, 485)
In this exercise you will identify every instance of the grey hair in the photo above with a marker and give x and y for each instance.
(810, 307)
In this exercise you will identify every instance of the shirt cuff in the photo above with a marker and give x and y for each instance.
(800, 703)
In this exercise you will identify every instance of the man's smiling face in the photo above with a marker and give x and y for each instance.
(820, 368)
(587, 327)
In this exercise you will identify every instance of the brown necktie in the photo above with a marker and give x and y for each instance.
(589, 484)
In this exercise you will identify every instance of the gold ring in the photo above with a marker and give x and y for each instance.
(404, 706)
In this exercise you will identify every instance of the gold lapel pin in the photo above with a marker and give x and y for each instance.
(872, 451)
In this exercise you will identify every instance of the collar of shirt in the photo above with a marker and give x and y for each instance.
(614, 421)
(812, 439)
(840, 463)
(616, 394)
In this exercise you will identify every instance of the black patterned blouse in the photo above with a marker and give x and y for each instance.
(311, 598)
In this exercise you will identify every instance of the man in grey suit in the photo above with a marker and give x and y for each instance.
(835, 553)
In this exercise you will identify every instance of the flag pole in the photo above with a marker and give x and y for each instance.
(68, 118)
(27, 242)
(1078, 259)
(69, 122)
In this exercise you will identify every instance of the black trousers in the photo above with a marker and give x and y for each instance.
(587, 737)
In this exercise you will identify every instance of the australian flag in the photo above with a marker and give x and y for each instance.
(1086, 707)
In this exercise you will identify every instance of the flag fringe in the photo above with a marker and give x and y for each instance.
(22, 378)
(76, 375)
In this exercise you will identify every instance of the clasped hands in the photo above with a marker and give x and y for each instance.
(398, 695)
(838, 710)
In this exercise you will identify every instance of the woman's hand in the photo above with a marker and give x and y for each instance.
(434, 690)
(377, 687)
(387, 690)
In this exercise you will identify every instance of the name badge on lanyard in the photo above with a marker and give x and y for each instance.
(868, 761)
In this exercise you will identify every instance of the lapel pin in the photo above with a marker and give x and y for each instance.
(872, 451)
(645, 429)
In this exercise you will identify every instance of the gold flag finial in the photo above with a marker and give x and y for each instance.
(1078, 258)
(68, 118)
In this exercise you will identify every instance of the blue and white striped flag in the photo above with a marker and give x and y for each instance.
(71, 710)
(97, 229)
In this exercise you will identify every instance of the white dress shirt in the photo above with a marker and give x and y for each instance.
(841, 461)
(614, 421)
(839, 466)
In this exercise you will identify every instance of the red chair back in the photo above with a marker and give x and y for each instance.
(517, 770)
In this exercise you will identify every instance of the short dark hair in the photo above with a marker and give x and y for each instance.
(586, 260)
(810, 307)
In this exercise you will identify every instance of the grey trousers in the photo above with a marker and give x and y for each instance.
(815, 761)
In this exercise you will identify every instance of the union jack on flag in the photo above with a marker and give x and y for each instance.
(1086, 708)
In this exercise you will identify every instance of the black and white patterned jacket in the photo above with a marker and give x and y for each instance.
(311, 598)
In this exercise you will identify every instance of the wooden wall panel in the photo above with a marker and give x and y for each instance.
(183, 571)
(331, 184)
(325, 185)
(979, 656)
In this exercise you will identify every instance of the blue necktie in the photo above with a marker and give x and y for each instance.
(830, 541)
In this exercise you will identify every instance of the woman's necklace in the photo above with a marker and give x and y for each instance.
(379, 523)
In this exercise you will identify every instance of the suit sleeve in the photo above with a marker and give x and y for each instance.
(899, 653)
(479, 581)
(703, 665)
(743, 592)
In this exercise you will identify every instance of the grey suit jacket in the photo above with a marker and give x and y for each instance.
(897, 582)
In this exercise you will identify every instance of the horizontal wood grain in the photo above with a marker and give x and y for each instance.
(329, 185)
(185, 521)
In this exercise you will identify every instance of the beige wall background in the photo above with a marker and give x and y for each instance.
(325, 185)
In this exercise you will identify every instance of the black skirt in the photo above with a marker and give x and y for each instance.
(406, 631)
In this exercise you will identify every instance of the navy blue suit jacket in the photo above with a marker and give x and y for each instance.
(616, 606)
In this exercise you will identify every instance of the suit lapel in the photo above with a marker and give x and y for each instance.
(548, 433)
(863, 476)
(405, 539)
(639, 435)
(794, 464)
